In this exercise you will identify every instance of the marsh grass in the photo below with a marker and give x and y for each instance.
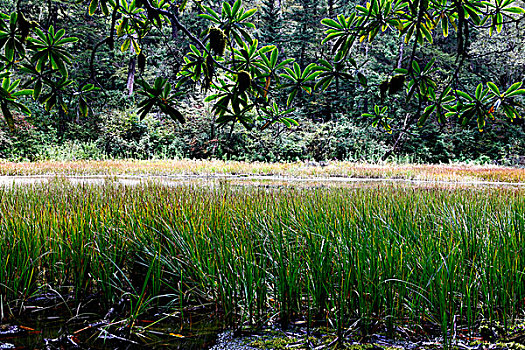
(442, 172)
(387, 254)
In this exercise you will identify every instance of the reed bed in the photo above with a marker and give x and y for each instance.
(450, 172)
(449, 258)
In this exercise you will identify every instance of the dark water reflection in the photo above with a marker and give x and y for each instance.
(54, 328)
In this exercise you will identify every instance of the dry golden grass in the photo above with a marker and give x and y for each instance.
(456, 173)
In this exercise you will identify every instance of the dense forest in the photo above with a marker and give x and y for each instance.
(332, 99)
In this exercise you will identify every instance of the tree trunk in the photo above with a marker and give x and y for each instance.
(53, 13)
(131, 75)
(401, 50)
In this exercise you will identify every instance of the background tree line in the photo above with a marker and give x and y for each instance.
(331, 122)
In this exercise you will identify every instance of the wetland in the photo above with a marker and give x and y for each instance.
(249, 263)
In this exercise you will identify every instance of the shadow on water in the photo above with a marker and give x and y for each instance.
(44, 325)
(61, 333)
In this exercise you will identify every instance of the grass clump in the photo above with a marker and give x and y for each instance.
(259, 255)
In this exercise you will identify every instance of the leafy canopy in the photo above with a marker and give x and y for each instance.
(418, 22)
(246, 79)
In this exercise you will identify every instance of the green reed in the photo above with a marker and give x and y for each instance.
(259, 255)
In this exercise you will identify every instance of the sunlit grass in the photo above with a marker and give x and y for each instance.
(384, 253)
(297, 169)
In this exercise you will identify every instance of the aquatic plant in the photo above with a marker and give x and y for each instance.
(396, 254)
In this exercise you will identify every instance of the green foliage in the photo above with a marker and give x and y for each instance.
(271, 19)
(159, 95)
(299, 81)
(8, 100)
(50, 51)
(380, 117)
(417, 23)
(422, 60)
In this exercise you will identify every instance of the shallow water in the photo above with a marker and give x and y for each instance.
(86, 332)
(247, 180)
